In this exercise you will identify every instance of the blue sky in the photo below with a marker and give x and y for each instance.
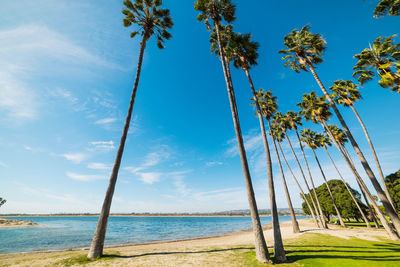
(66, 74)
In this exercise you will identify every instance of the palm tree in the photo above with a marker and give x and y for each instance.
(277, 135)
(311, 138)
(279, 138)
(216, 11)
(267, 106)
(304, 51)
(151, 20)
(382, 57)
(243, 52)
(324, 141)
(391, 7)
(282, 122)
(346, 93)
(317, 110)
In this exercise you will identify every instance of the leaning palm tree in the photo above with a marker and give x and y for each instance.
(340, 136)
(216, 11)
(324, 142)
(381, 58)
(267, 106)
(243, 52)
(277, 136)
(316, 109)
(311, 138)
(304, 51)
(151, 20)
(282, 122)
(391, 7)
(279, 139)
(346, 93)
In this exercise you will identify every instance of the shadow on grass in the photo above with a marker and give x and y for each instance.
(175, 252)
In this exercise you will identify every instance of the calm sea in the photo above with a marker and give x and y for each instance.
(77, 232)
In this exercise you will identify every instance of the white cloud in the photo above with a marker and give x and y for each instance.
(28, 52)
(214, 163)
(75, 157)
(149, 177)
(2, 164)
(105, 121)
(103, 145)
(85, 177)
(98, 166)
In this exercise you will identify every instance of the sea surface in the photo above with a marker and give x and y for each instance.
(76, 232)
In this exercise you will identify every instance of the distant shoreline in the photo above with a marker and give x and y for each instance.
(139, 215)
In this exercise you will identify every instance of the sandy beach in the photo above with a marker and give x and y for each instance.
(209, 251)
(11, 224)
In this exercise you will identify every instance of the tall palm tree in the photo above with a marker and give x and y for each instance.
(277, 136)
(340, 136)
(151, 20)
(311, 138)
(391, 7)
(243, 52)
(267, 106)
(304, 51)
(383, 58)
(280, 138)
(281, 121)
(216, 11)
(324, 142)
(346, 93)
(317, 110)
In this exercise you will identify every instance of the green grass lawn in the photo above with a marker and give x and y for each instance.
(324, 250)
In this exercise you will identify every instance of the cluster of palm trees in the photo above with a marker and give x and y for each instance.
(303, 51)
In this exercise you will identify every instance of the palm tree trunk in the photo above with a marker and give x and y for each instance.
(375, 156)
(312, 182)
(295, 224)
(279, 251)
(376, 222)
(298, 184)
(393, 235)
(96, 248)
(348, 189)
(319, 216)
(329, 190)
(260, 245)
(381, 194)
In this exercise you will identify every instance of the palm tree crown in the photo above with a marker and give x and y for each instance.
(383, 56)
(215, 10)
(267, 103)
(345, 93)
(150, 18)
(391, 7)
(226, 35)
(242, 51)
(303, 48)
(339, 135)
(309, 137)
(314, 108)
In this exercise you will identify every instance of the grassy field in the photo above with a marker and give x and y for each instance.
(324, 250)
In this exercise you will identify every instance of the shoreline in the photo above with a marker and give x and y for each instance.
(17, 224)
(139, 215)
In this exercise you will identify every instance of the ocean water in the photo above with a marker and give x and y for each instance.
(76, 232)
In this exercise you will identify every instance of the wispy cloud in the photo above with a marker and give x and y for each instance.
(149, 177)
(102, 145)
(75, 157)
(85, 177)
(105, 121)
(213, 163)
(98, 166)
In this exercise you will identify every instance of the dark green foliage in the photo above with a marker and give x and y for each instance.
(314, 108)
(267, 103)
(383, 58)
(344, 202)
(391, 7)
(303, 48)
(226, 34)
(150, 18)
(2, 201)
(345, 92)
(393, 184)
(216, 10)
(242, 51)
